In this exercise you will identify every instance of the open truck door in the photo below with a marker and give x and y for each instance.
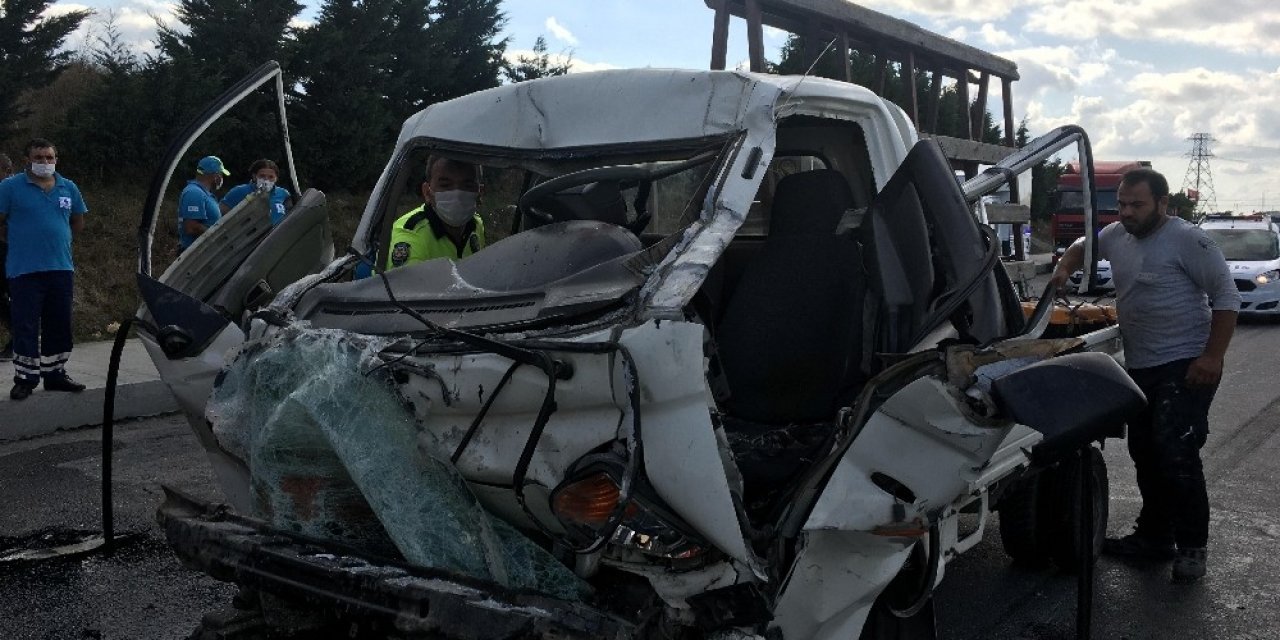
(199, 307)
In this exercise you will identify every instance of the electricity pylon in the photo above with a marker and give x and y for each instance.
(1198, 183)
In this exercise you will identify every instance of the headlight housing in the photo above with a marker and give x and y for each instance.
(587, 500)
(1268, 277)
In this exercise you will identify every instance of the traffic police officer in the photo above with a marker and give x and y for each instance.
(446, 225)
(41, 210)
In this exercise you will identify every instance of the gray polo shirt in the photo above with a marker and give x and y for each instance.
(1167, 286)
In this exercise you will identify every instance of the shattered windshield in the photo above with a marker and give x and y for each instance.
(649, 194)
(1246, 245)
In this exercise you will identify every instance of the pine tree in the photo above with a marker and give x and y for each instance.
(218, 43)
(31, 53)
(463, 49)
(341, 114)
(367, 65)
(538, 65)
(800, 54)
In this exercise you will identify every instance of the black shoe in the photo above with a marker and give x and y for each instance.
(64, 383)
(1137, 545)
(20, 391)
(1190, 565)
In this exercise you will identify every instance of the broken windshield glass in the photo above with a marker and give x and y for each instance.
(334, 453)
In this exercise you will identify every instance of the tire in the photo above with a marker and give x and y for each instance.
(1020, 523)
(1059, 492)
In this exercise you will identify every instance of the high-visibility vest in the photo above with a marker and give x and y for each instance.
(414, 240)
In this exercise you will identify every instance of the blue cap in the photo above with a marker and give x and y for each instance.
(211, 164)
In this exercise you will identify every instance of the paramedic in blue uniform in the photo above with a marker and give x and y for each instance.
(41, 211)
(197, 208)
(263, 176)
(6, 352)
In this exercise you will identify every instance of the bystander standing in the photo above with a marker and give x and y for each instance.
(1177, 307)
(41, 211)
(197, 207)
(263, 176)
(6, 351)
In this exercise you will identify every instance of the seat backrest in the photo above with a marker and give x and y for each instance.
(790, 328)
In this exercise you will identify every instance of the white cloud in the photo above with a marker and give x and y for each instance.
(996, 37)
(63, 8)
(1242, 26)
(971, 10)
(1150, 114)
(560, 32)
(774, 33)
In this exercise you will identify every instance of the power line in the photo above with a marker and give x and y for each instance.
(1198, 183)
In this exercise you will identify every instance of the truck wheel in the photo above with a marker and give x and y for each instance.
(1062, 485)
(1021, 531)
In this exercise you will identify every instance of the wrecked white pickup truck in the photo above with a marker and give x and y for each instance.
(746, 365)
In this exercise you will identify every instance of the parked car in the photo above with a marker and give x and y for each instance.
(740, 366)
(1251, 245)
(1103, 284)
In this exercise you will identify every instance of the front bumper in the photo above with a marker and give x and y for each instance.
(1264, 300)
(326, 577)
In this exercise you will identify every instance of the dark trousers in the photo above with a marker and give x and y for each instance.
(41, 317)
(4, 292)
(1164, 442)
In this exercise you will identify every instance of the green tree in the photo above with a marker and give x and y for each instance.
(800, 55)
(341, 112)
(367, 65)
(116, 110)
(1044, 177)
(538, 65)
(31, 53)
(216, 43)
(1182, 206)
(463, 48)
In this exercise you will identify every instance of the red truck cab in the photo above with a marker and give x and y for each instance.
(1068, 199)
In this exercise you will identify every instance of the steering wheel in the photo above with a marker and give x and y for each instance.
(641, 174)
(526, 203)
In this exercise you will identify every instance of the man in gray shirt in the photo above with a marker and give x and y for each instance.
(1177, 306)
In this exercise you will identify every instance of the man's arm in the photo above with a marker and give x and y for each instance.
(194, 227)
(77, 223)
(1070, 261)
(1207, 267)
(1207, 369)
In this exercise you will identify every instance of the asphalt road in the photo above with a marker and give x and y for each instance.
(140, 592)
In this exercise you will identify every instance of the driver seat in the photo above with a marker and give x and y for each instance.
(790, 332)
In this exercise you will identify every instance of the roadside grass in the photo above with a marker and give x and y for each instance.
(106, 252)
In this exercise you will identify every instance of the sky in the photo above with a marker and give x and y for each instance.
(1141, 76)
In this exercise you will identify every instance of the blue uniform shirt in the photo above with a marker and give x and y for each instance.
(39, 223)
(196, 203)
(278, 197)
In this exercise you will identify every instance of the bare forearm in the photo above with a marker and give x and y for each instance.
(1071, 260)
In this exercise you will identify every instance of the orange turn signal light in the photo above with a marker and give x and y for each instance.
(589, 501)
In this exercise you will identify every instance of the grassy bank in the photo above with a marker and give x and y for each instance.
(106, 253)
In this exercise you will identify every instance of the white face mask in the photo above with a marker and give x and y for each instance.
(41, 170)
(264, 185)
(456, 207)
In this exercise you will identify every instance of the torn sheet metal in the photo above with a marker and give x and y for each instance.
(328, 444)
(682, 455)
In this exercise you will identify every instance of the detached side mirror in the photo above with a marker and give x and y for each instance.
(1073, 400)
